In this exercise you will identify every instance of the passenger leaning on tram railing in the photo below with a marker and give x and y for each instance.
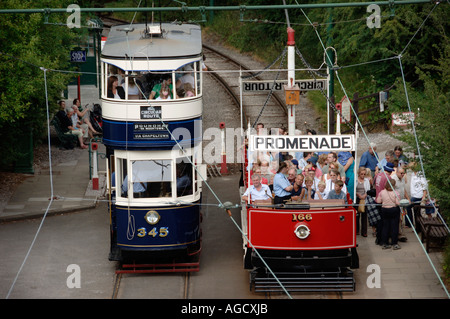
(164, 92)
(257, 191)
(157, 88)
(337, 192)
(308, 192)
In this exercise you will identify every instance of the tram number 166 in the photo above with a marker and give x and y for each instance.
(162, 232)
(301, 217)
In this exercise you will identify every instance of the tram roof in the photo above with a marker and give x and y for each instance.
(177, 41)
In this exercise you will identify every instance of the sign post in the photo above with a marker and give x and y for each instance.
(78, 56)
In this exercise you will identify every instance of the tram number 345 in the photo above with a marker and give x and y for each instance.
(301, 217)
(162, 232)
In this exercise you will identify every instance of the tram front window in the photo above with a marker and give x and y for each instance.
(152, 178)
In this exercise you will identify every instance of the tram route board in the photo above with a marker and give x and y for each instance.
(146, 131)
(304, 85)
(150, 131)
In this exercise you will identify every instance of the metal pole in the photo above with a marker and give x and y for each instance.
(329, 60)
(291, 78)
(221, 8)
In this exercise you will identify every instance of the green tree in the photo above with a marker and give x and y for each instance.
(27, 44)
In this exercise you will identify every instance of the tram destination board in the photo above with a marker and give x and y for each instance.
(304, 85)
(302, 143)
(150, 112)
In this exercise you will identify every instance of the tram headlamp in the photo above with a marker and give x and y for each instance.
(302, 231)
(152, 217)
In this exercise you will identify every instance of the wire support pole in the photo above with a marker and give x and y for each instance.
(185, 8)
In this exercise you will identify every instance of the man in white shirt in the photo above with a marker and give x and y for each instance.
(418, 191)
(400, 184)
(257, 191)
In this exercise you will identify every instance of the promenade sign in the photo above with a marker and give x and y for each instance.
(302, 143)
(304, 85)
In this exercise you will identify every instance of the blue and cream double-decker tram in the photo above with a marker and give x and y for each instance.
(152, 129)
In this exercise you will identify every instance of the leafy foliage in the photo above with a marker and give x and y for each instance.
(26, 45)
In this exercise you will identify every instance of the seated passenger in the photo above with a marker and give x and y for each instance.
(321, 192)
(308, 192)
(281, 186)
(297, 190)
(186, 77)
(188, 90)
(310, 170)
(292, 174)
(265, 173)
(337, 192)
(257, 191)
(164, 93)
(157, 88)
(257, 171)
(334, 177)
(133, 91)
(114, 90)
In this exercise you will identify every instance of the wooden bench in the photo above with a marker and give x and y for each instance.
(68, 141)
(432, 229)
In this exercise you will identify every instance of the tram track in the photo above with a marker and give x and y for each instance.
(119, 290)
(226, 70)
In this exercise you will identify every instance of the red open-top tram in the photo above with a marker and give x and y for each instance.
(308, 245)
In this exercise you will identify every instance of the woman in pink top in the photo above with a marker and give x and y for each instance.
(390, 215)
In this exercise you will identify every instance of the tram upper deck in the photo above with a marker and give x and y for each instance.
(142, 64)
(148, 79)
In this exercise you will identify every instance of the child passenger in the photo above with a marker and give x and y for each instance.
(321, 192)
(337, 192)
(308, 192)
